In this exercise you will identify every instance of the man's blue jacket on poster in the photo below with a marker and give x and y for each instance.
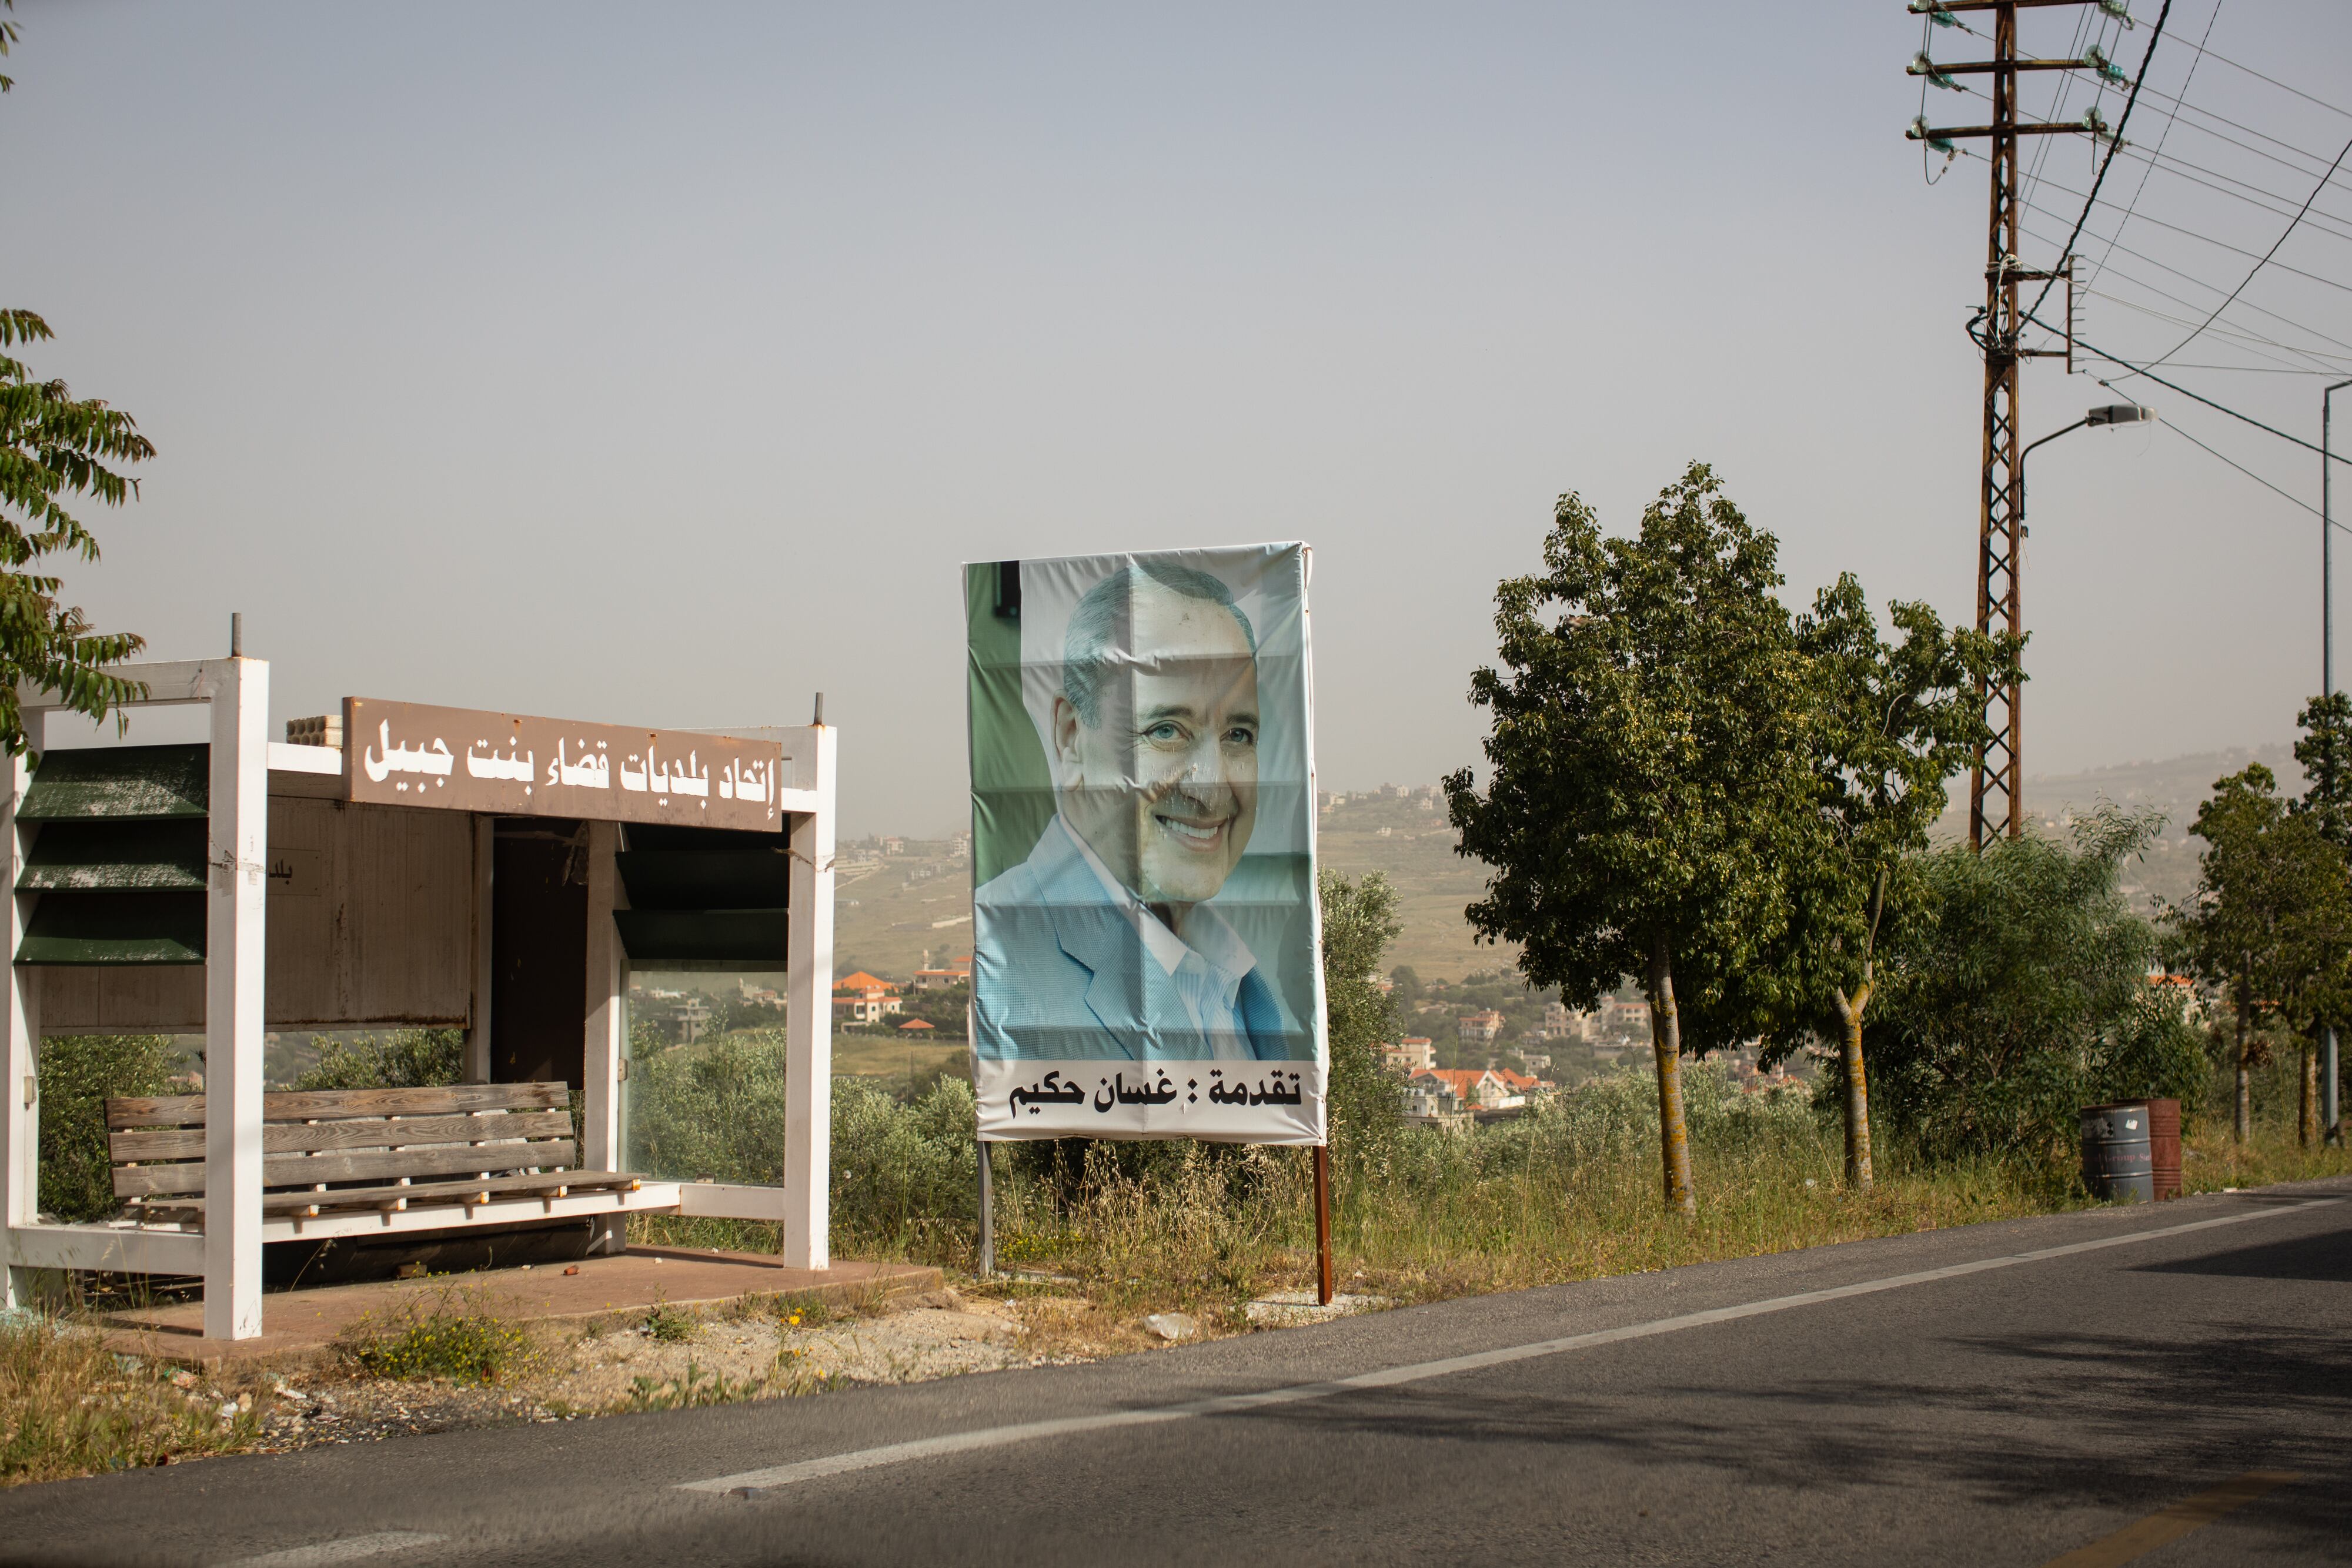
(1060, 972)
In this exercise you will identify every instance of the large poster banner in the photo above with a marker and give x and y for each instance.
(1147, 942)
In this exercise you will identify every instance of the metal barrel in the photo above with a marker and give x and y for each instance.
(2118, 1163)
(2164, 1147)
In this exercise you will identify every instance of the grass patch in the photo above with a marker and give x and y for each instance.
(692, 1388)
(453, 1337)
(1569, 1192)
(671, 1325)
(69, 1406)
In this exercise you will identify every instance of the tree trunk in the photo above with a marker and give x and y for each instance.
(1857, 1090)
(2244, 1128)
(1666, 1042)
(2306, 1121)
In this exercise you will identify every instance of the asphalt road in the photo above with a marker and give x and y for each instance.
(2002, 1394)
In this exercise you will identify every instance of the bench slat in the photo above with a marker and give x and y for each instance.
(289, 1170)
(377, 1196)
(353, 1133)
(325, 1104)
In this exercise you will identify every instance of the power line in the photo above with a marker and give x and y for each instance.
(2174, 164)
(2265, 261)
(2132, 368)
(2108, 162)
(2191, 278)
(2223, 245)
(2181, 169)
(2249, 473)
(2250, 344)
(2212, 54)
(2210, 287)
(2332, 109)
(2312, 159)
(2171, 120)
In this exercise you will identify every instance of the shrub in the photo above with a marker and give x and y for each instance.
(454, 1336)
(402, 1059)
(712, 1109)
(2017, 992)
(78, 1073)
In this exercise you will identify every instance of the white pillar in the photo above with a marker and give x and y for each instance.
(808, 1020)
(477, 1032)
(235, 902)
(601, 1057)
(20, 1127)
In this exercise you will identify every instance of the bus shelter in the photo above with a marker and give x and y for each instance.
(403, 865)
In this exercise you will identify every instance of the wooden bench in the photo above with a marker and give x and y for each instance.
(361, 1149)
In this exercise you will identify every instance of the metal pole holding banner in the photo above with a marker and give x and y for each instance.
(1323, 1224)
(987, 1269)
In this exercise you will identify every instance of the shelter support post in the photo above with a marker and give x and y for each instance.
(478, 1017)
(20, 1128)
(1323, 1224)
(808, 1057)
(604, 1051)
(236, 898)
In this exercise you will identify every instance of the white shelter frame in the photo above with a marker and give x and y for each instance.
(227, 1252)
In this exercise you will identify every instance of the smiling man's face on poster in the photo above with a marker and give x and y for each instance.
(1143, 834)
(1158, 751)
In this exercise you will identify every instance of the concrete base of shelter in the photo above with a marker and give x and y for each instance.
(299, 1327)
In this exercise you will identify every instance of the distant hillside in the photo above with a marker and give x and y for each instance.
(890, 909)
(2175, 787)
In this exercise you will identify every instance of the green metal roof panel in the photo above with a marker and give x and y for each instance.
(81, 928)
(125, 856)
(119, 782)
(703, 936)
(707, 879)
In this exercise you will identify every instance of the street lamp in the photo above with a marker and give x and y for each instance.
(2107, 413)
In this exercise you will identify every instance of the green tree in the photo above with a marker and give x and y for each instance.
(1358, 922)
(1895, 720)
(2271, 923)
(54, 445)
(2014, 990)
(1650, 786)
(2324, 752)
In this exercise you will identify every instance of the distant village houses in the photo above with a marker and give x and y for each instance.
(864, 999)
(1413, 1053)
(956, 971)
(1479, 1028)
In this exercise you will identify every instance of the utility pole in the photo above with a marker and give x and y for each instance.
(1996, 799)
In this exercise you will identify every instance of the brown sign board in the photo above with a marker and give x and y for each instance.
(462, 759)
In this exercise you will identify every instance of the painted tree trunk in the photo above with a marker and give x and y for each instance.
(1857, 1091)
(2244, 1127)
(2306, 1121)
(1666, 1042)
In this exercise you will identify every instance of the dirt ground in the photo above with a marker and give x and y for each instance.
(669, 1358)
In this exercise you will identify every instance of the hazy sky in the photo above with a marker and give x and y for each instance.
(659, 365)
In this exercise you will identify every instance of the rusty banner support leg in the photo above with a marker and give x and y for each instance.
(1323, 1224)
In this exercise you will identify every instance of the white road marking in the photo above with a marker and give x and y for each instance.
(349, 1549)
(751, 1483)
